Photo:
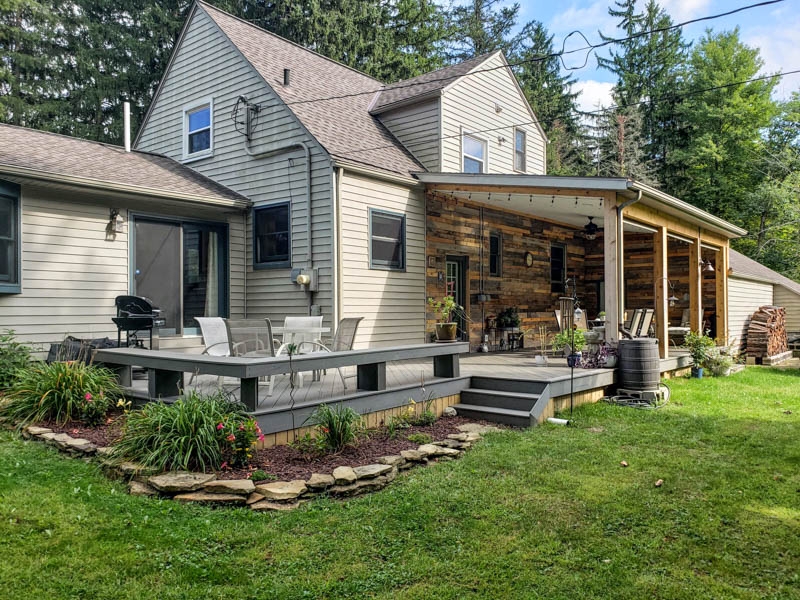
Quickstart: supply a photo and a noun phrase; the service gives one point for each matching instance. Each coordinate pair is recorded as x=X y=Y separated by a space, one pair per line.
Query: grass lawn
x=543 y=513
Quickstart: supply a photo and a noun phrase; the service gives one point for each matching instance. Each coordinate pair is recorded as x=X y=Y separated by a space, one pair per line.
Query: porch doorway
x=456 y=269
x=182 y=267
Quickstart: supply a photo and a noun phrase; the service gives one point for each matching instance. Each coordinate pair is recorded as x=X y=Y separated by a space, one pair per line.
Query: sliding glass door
x=182 y=266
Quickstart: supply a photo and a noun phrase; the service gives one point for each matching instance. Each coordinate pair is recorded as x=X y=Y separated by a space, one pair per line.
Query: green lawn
x=542 y=513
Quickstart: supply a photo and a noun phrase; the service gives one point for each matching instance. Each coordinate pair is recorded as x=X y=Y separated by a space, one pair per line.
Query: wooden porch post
x=722 y=294
x=695 y=288
x=611 y=250
x=662 y=290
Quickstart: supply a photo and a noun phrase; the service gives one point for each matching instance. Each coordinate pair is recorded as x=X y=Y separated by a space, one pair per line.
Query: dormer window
x=473 y=150
x=198 y=125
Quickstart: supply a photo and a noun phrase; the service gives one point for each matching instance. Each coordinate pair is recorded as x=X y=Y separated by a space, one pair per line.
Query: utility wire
x=589 y=48
x=666 y=97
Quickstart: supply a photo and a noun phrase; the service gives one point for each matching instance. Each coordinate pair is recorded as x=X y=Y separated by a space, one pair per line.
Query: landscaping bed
x=103 y=434
x=286 y=462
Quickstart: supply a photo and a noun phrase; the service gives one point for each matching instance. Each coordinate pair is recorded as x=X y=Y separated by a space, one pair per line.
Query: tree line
x=680 y=119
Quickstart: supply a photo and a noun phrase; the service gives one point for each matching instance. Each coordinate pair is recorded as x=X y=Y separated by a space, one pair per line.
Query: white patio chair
x=216 y=340
x=293 y=334
x=342 y=341
x=253 y=338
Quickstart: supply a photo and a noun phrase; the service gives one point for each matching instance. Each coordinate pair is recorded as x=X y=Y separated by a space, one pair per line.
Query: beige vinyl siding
x=391 y=302
x=791 y=302
x=417 y=128
x=71 y=272
x=744 y=298
x=207 y=65
x=469 y=106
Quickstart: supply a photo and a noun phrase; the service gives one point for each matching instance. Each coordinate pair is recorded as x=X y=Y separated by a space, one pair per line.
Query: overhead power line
x=664 y=98
x=589 y=48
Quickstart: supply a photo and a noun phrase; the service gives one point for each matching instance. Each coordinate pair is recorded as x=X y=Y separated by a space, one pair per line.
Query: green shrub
x=699 y=346
x=420 y=438
x=309 y=446
x=183 y=435
x=260 y=475
x=239 y=434
x=13 y=358
x=61 y=391
x=337 y=427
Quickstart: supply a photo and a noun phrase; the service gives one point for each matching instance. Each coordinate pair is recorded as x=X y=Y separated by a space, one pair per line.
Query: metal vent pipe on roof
x=126 y=124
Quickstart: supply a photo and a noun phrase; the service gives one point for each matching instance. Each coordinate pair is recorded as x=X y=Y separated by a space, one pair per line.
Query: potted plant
x=571 y=342
x=508 y=318
x=601 y=316
x=699 y=346
x=446 y=328
x=721 y=360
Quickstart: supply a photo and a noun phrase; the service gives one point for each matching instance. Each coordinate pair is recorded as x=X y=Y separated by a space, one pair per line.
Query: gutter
x=621 y=258
x=135 y=190
x=275 y=150
x=377 y=174
x=687 y=208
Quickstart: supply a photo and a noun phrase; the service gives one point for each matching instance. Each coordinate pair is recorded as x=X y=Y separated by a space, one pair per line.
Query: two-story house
x=384 y=195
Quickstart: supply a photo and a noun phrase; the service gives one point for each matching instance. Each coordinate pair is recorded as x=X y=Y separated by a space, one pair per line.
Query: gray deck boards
x=517 y=366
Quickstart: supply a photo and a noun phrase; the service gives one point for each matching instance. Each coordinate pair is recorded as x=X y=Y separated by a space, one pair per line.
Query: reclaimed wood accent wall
x=454 y=229
x=678 y=273
x=639 y=279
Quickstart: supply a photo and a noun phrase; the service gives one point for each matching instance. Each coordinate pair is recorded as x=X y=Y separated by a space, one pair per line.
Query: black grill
x=135 y=314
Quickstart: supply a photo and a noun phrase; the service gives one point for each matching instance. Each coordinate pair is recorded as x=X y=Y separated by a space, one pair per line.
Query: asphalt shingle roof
x=745 y=266
x=344 y=125
x=52 y=155
x=425 y=84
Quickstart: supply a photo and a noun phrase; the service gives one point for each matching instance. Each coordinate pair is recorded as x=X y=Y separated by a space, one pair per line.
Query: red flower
x=220 y=426
x=231 y=438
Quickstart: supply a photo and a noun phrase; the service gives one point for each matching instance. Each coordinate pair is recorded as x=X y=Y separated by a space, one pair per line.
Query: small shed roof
x=747 y=268
x=59 y=158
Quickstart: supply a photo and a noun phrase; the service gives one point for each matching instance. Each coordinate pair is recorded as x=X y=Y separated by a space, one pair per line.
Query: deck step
x=517 y=386
x=507 y=416
x=499 y=399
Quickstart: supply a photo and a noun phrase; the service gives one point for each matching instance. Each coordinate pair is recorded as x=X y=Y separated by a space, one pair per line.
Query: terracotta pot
x=446 y=332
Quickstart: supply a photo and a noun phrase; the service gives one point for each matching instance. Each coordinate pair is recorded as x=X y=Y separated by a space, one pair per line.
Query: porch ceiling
x=568 y=210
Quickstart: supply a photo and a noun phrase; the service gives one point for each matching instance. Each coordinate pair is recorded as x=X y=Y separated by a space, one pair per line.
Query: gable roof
x=748 y=268
x=342 y=125
x=427 y=84
x=59 y=158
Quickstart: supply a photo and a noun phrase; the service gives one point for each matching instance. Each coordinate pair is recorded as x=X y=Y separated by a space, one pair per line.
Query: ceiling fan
x=590 y=229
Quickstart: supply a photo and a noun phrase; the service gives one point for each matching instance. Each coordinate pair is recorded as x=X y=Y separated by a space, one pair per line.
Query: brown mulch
x=104 y=434
x=286 y=463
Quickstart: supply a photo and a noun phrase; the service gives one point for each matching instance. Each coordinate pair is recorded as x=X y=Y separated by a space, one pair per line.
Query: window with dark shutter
x=495 y=254
x=10 y=241
x=558 y=268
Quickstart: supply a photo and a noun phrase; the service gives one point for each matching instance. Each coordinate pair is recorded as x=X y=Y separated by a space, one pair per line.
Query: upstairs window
x=495 y=254
x=272 y=236
x=387 y=240
x=558 y=268
x=520 y=146
x=10 y=250
x=474 y=154
x=198 y=130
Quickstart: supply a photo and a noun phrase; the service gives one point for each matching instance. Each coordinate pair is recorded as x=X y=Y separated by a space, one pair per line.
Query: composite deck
x=519 y=366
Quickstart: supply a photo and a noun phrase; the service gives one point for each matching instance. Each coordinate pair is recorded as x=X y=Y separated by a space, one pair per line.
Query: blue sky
x=773 y=29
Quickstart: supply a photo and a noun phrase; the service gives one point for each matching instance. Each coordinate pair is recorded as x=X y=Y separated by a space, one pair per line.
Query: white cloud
x=593 y=94
x=683 y=10
x=588 y=19
x=780 y=52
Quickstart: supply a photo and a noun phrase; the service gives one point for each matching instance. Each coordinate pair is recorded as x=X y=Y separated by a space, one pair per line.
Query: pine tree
x=480 y=27
x=552 y=100
x=619 y=149
x=648 y=67
x=30 y=54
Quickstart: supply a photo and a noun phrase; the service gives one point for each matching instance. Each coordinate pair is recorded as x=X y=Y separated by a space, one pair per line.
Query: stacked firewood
x=766 y=334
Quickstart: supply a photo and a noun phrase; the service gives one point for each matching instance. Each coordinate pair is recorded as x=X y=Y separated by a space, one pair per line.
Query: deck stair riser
x=515 y=418
x=517 y=386
x=497 y=399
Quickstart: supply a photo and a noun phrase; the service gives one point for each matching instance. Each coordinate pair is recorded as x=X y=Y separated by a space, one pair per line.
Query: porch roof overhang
x=586 y=192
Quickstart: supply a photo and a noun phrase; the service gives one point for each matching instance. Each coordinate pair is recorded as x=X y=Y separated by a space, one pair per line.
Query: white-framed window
x=520 y=150
x=198 y=129
x=474 y=152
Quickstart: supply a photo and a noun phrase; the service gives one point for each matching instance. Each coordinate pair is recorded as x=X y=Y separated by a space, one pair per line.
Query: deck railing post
x=248 y=393
x=446 y=365
x=161 y=383
x=371 y=377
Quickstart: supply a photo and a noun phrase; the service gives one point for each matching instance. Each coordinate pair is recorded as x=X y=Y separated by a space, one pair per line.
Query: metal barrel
x=639 y=365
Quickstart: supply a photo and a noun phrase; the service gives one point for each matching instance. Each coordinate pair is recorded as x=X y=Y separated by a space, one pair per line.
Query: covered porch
x=499 y=242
